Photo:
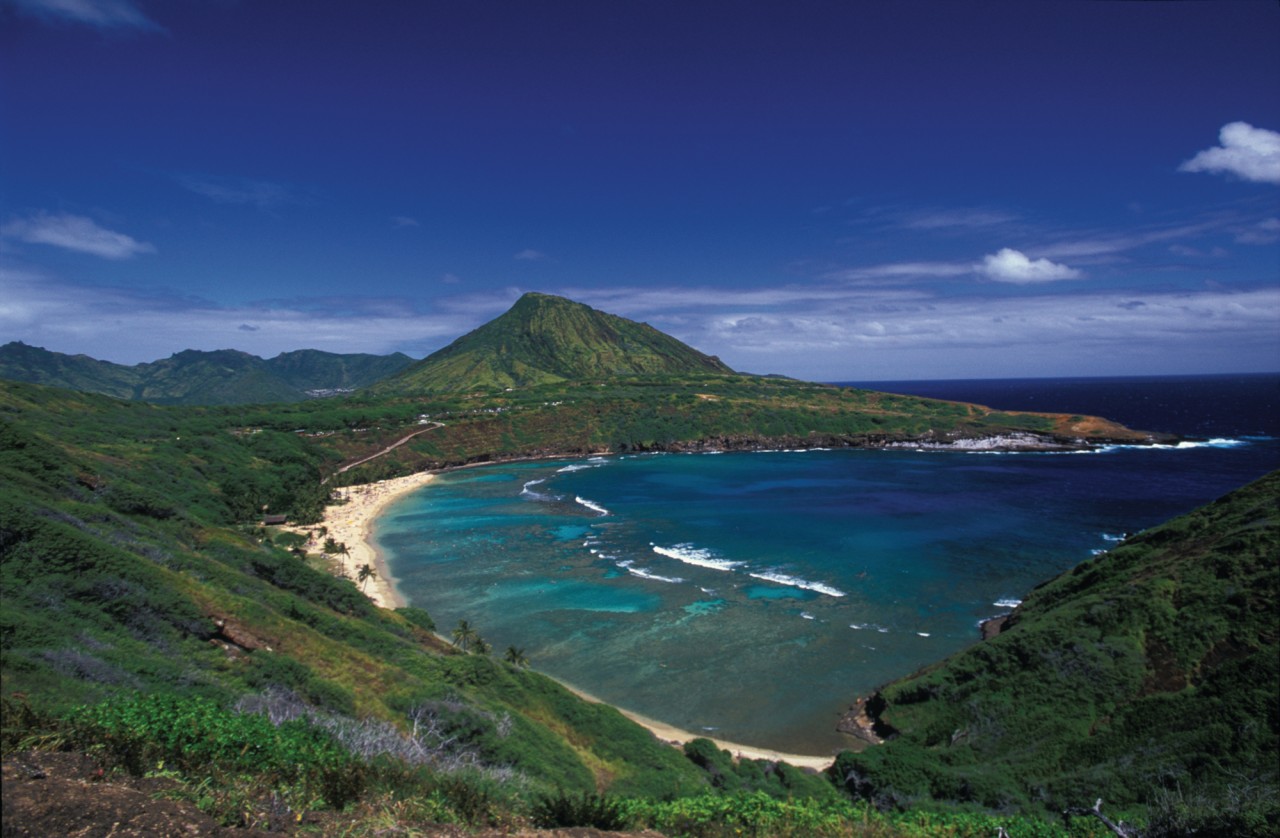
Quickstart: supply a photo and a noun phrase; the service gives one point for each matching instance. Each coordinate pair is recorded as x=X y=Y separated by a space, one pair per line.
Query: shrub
x=585 y=809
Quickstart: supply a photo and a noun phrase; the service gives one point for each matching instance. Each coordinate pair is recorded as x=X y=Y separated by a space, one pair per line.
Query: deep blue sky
x=826 y=190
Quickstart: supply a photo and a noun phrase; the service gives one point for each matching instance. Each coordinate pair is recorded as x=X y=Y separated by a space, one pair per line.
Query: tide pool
x=752 y=596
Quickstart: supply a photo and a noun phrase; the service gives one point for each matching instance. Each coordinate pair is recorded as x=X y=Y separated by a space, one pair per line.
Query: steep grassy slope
x=201 y=378
x=1147 y=675
x=123 y=572
x=545 y=339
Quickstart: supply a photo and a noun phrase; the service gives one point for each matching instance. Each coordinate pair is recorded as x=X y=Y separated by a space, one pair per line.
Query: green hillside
x=544 y=339
x=202 y=378
x=127 y=571
x=20 y=362
x=1147 y=676
x=150 y=622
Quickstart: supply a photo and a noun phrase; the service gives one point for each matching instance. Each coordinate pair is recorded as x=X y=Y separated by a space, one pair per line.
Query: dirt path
x=393 y=446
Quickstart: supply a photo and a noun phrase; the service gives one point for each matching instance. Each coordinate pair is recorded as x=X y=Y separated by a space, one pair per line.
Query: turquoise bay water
x=753 y=596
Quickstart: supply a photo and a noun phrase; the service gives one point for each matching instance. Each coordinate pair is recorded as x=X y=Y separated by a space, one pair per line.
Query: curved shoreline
x=679 y=737
x=352 y=523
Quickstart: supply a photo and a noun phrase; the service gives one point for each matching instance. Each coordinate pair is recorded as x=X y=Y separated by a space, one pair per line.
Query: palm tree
x=482 y=646
x=346 y=554
x=464 y=635
x=364 y=574
x=516 y=657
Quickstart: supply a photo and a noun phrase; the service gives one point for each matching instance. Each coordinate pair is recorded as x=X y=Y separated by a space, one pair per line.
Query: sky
x=828 y=190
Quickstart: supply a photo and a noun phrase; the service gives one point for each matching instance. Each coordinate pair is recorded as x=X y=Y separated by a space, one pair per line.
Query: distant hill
x=195 y=377
x=545 y=339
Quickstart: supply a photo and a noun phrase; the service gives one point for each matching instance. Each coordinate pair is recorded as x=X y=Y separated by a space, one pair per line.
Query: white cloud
x=74 y=232
x=105 y=14
x=262 y=194
x=1245 y=151
x=1011 y=265
x=1106 y=334
x=404 y=221
x=530 y=255
x=829 y=332
x=1108 y=245
x=1264 y=232
x=128 y=327
x=967 y=218
x=898 y=273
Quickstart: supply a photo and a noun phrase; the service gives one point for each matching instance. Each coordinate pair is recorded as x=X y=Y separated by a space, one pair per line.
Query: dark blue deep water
x=752 y=596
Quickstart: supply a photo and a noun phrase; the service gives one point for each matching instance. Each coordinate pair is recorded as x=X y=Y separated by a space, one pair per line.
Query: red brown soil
x=47 y=794
x=66 y=794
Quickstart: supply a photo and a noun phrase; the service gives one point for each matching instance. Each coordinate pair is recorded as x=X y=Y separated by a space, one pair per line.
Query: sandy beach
x=678 y=737
x=350 y=523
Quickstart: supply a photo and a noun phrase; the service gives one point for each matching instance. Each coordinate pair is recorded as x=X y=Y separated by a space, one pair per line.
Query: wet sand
x=678 y=737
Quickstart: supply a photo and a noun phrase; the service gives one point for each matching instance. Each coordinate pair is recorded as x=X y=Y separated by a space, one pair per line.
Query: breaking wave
x=797 y=582
x=698 y=556
x=529 y=492
x=592 y=505
x=649 y=574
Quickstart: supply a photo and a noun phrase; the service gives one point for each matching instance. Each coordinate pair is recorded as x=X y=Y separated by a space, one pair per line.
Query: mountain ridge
x=202 y=377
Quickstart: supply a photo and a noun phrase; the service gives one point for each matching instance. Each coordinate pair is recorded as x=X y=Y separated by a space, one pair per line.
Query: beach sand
x=678 y=737
x=350 y=523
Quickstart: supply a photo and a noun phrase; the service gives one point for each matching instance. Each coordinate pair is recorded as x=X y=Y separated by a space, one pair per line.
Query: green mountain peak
x=545 y=339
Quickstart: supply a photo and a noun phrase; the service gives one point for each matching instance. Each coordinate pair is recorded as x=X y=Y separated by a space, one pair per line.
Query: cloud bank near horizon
x=828 y=334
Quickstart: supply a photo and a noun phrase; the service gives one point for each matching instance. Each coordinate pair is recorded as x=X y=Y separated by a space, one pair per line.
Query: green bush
x=585 y=809
x=196 y=736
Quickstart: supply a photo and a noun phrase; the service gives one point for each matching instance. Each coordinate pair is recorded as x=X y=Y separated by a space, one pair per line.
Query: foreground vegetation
x=282 y=767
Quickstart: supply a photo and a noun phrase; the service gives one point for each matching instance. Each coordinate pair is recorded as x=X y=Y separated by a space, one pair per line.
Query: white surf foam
x=1007 y=602
x=873 y=626
x=1184 y=445
x=649 y=574
x=797 y=582
x=592 y=505
x=528 y=490
x=699 y=556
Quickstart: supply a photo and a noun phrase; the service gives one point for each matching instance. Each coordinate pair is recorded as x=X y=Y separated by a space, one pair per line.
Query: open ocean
x=753 y=596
